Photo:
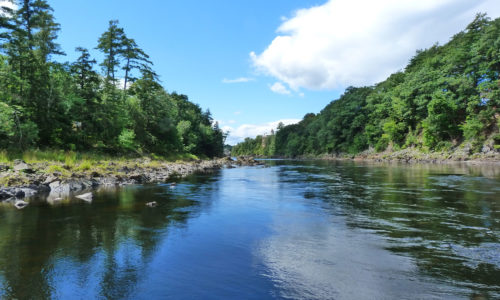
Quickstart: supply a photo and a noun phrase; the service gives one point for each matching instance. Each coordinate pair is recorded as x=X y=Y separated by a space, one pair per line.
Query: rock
x=4 y=168
x=139 y=178
x=20 y=204
x=125 y=170
x=86 y=197
x=59 y=187
x=20 y=194
x=21 y=166
x=6 y=194
x=50 y=179
x=152 y=204
x=247 y=161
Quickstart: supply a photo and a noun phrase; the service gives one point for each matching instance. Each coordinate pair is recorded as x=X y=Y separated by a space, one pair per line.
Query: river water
x=293 y=230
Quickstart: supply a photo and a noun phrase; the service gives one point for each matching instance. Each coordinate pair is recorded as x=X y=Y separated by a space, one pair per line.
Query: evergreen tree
x=135 y=58
x=111 y=44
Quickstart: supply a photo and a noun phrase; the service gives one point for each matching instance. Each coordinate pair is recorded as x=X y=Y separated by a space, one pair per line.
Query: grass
x=84 y=161
x=67 y=163
x=4 y=158
x=85 y=165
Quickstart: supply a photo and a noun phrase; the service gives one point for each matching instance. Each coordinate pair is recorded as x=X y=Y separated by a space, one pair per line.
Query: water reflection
x=294 y=230
x=98 y=249
x=445 y=218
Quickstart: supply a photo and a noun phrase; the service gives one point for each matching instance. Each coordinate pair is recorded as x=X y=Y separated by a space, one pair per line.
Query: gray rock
x=6 y=194
x=21 y=166
x=139 y=178
x=50 y=179
x=59 y=187
x=19 y=193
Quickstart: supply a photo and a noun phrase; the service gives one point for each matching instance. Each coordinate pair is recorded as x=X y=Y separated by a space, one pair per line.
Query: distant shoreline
x=409 y=156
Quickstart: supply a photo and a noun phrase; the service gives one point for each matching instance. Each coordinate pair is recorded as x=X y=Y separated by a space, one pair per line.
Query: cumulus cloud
x=239 y=133
x=279 y=88
x=238 y=80
x=6 y=4
x=361 y=42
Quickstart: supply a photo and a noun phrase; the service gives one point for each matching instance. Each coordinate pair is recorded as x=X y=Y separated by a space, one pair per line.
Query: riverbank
x=414 y=155
x=411 y=155
x=19 y=179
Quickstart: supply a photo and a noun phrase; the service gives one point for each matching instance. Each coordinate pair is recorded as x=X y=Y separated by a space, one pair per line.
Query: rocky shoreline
x=411 y=155
x=21 y=180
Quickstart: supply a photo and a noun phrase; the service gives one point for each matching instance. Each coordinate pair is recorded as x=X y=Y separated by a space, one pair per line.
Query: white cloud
x=361 y=42
x=8 y=5
x=279 y=88
x=238 y=134
x=238 y=80
x=237 y=112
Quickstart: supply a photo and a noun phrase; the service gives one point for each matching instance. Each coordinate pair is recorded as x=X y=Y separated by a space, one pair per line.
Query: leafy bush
x=473 y=128
x=440 y=123
x=126 y=140
x=382 y=143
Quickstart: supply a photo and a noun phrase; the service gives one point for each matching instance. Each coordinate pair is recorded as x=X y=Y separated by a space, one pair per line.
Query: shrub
x=126 y=140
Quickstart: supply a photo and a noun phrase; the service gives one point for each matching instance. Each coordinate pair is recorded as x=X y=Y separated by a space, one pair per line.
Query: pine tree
x=31 y=43
x=111 y=44
x=84 y=73
x=135 y=58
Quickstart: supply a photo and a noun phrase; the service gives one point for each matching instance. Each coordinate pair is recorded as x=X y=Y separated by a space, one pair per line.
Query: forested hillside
x=124 y=108
x=447 y=97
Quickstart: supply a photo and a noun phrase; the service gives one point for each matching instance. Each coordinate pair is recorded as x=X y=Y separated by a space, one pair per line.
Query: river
x=286 y=230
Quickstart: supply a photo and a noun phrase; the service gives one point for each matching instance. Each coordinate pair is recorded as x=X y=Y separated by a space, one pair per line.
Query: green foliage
x=382 y=143
x=446 y=95
x=473 y=128
x=126 y=140
x=70 y=106
x=441 y=122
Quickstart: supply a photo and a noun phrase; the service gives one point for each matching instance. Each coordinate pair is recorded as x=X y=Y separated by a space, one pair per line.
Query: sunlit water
x=295 y=230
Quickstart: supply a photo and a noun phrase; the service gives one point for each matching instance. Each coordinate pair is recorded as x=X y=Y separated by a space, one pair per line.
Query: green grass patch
x=85 y=165
x=84 y=161
x=4 y=158
x=55 y=168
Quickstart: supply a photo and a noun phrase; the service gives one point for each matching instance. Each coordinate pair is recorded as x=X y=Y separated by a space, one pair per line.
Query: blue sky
x=253 y=63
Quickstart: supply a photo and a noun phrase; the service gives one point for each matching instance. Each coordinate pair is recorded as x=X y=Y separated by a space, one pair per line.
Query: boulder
x=6 y=194
x=50 y=179
x=59 y=187
x=21 y=166
x=139 y=178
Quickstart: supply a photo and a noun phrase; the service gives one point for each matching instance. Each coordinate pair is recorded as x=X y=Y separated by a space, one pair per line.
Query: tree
x=87 y=79
x=111 y=44
x=135 y=58
x=30 y=46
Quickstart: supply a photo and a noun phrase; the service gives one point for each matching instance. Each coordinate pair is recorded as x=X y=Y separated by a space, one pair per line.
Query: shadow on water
x=445 y=217
x=97 y=249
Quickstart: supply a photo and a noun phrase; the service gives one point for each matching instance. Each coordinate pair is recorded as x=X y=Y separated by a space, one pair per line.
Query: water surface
x=293 y=230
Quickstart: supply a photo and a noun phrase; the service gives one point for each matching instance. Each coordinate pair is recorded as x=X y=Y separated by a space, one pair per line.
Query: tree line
x=447 y=97
x=124 y=108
